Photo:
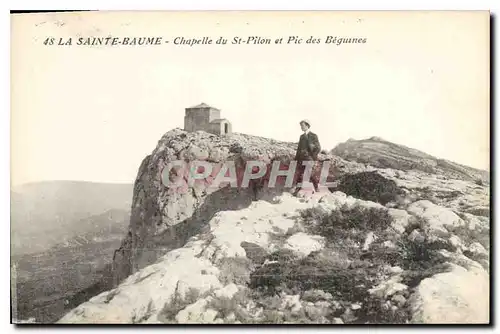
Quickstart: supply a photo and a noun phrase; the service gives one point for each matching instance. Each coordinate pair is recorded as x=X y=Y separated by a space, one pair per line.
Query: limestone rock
x=304 y=244
x=457 y=297
x=400 y=219
x=478 y=249
x=437 y=218
x=388 y=288
x=227 y=292
x=196 y=313
x=291 y=302
x=456 y=242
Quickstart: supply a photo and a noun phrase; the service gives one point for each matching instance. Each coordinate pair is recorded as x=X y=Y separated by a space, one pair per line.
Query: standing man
x=308 y=150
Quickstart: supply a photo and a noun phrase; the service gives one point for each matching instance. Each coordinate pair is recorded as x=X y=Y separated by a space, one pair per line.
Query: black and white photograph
x=250 y=167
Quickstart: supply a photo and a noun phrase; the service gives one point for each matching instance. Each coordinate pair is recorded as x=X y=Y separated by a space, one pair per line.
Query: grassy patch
x=356 y=218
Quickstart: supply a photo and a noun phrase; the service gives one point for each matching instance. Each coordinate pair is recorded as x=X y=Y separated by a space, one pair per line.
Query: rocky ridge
x=384 y=154
x=260 y=255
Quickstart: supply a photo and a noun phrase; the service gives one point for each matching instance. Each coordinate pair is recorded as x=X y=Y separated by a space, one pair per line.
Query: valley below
x=63 y=238
x=48 y=282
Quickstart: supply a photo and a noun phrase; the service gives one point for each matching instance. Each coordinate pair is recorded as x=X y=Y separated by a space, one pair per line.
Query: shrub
x=346 y=225
x=254 y=252
x=415 y=255
x=224 y=306
x=369 y=186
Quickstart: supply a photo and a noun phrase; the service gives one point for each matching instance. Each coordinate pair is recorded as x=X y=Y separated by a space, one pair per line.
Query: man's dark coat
x=308 y=148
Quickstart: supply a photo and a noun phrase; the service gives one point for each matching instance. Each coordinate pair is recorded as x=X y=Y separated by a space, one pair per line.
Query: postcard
x=250 y=167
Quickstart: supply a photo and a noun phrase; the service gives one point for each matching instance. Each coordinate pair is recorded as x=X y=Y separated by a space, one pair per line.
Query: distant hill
x=44 y=214
x=380 y=153
x=46 y=281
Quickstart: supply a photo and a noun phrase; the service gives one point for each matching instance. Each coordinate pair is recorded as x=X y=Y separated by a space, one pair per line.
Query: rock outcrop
x=163 y=219
x=205 y=254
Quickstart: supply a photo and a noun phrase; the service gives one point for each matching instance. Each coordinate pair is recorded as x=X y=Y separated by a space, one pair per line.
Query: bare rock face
x=164 y=218
x=455 y=297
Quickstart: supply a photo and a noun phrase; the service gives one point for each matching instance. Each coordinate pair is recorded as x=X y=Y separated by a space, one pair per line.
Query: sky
x=93 y=113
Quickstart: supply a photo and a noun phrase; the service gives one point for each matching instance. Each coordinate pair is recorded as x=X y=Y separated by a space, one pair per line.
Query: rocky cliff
x=163 y=219
x=378 y=246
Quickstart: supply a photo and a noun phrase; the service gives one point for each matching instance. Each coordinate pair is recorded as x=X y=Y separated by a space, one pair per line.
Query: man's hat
x=306 y=121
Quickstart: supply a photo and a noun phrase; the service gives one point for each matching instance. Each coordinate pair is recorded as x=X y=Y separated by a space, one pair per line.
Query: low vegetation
x=347 y=272
x=369 y=186
x=335 y=284
x=169 y=311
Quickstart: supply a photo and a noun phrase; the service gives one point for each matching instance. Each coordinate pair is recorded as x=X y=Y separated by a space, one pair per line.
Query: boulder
x=460 y=296
x=437 y=218
x=304 y=244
